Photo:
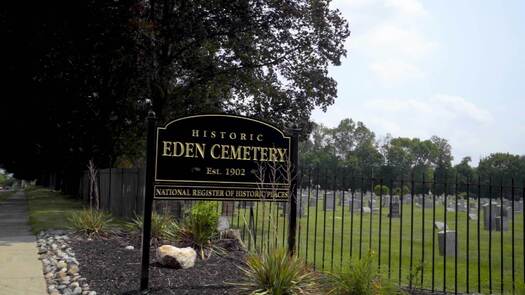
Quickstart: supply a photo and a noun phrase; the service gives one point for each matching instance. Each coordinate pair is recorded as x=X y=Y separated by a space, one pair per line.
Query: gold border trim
x=219 y=115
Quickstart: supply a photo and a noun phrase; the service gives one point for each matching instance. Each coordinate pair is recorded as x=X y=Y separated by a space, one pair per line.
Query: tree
x=79 y=74
x=464 y=171
x=266 y=59
x=502 y=167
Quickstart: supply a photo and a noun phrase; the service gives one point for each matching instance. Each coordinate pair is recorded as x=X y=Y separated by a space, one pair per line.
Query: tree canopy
x=355 y=147
x=79 y=75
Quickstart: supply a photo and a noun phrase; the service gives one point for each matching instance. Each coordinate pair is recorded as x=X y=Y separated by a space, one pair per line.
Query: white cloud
x=455 y=118
x=387 y=35
x=389 y=39
x=407 y=7
x=392 y=71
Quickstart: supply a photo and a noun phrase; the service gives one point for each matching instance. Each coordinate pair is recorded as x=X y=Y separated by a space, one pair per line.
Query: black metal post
x=148 y=201
x=294 y=161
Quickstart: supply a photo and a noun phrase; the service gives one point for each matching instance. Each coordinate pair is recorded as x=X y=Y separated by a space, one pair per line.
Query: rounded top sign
x=219 y=151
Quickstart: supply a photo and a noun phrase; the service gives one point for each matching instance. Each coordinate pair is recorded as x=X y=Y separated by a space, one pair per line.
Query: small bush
x=200 y=227
x=361 y=278
x=163 y=227
x=91 y=222
x=397 y=190
x=276 y=272
x=381 y=190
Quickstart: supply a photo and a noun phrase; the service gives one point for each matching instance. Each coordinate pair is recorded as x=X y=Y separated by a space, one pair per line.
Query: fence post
x=148 y=200
x=292 y=224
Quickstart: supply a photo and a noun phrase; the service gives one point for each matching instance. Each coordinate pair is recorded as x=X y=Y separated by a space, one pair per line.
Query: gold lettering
x=259 y=137
x=236 y=152
x=243 y=136
x=255 y=149
x=222 y=134
x=264 y=154
x=175 y=144
x=273 y=155
x=195 y=133
x=166 y=149
x=213 y=134
x=282 y=154
x=233 y=135
x=212 y=151
x=200 y=149
x=224 y=152
x=246 y=152
x=189 y=150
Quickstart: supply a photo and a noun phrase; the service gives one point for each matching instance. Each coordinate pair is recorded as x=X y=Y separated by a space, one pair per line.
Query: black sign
x=221 y=157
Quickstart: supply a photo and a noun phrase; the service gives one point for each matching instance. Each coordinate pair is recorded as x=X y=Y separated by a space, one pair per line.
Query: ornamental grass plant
x=163 y=226
x=199 y=228
x=277 y=273
x=362 y=277
x=91 y=222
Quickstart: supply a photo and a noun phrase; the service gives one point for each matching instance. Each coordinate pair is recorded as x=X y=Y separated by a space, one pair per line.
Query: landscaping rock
x=59 y=264
x=174 y=257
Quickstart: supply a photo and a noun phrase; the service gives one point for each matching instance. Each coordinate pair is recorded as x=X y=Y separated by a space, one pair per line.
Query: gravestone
x=440 y=226
x=355 y=206
x=394 y=209
x=386 y=201
x=489 y=218
x=518 y=206
x=502 y=223
x=473 y=216
x=329 y=202
x=313 y=201
x=450 y=245
x=367 y=210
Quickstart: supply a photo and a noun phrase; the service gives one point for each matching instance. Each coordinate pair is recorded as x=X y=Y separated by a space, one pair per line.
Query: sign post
x=148 y=200
x=292 y=223
x=218 y=157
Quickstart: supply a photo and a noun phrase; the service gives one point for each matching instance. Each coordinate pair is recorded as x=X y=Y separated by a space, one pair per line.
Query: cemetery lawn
x=50 y=209
x=324 y=247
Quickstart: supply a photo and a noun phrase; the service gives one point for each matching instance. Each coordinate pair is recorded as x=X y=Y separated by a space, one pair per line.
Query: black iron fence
x=453 y=235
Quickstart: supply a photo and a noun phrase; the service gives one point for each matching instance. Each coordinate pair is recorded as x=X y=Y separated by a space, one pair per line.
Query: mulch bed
x=111 y=269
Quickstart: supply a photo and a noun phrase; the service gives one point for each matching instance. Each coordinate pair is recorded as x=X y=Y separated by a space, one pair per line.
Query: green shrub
x=361 y=278
x=381 y=190
x=163 y=227
x=200 y=227
x=275 y=272
x=397 y=190
x=91 y=222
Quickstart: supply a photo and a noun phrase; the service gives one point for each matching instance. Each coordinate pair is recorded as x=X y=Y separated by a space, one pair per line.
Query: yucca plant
x=361 y=278
x=91 y=222
x=163 y=226
x=277 y=273
x=199 y=228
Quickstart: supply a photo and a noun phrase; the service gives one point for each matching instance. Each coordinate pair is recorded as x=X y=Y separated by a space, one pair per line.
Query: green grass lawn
x=322 y=245
x=5 y=195
x=49 y=209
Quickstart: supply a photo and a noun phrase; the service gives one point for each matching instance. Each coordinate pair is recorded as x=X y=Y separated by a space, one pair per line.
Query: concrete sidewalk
x=20 y=269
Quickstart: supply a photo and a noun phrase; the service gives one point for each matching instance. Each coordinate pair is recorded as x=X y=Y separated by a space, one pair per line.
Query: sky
x=455 y=69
